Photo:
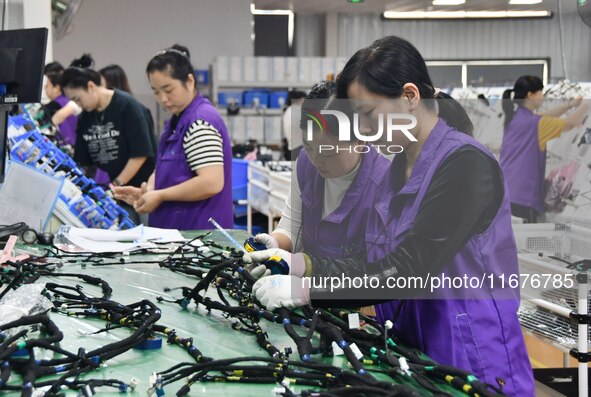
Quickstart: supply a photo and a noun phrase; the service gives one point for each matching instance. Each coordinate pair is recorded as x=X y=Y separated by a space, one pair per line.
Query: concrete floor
x=545 y=391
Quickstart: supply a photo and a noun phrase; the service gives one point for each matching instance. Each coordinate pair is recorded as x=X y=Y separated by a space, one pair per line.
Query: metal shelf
x=251 y=112
x=264 y=84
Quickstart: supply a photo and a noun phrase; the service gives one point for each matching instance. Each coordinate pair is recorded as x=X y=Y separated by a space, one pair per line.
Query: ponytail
x=454 y=114
x=523 y=86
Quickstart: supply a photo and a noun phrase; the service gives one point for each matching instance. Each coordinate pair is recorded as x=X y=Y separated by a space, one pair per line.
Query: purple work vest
x=522 y=161
x=341 y=233
x=482 y=336
x=68 y=127
x=172 y=168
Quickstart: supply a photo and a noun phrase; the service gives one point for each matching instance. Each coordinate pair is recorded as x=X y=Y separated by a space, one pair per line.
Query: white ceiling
x=379 y=6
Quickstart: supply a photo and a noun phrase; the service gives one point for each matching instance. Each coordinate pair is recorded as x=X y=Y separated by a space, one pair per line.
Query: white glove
x=267 y=239
x=296 y=262
x=280 y=290
x=258 y=271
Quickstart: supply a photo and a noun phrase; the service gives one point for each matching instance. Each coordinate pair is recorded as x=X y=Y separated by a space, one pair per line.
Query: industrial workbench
x=212 y=332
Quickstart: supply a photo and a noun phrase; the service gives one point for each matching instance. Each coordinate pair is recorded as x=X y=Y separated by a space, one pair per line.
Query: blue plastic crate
x=224 y=98
x=277 y=99
x=249 y=97
x=239 y=172
x=239 y=184
x=202 y=76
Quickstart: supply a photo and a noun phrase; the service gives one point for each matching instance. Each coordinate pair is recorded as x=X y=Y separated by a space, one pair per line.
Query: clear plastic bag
x=24 y=301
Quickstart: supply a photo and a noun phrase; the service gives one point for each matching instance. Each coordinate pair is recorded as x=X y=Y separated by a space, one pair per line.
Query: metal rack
x=557 y=313
x=266 y=189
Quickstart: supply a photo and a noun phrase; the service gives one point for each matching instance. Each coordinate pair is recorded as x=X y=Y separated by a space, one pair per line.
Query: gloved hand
x=266 y=239
x=281 y=291
x=272 y=258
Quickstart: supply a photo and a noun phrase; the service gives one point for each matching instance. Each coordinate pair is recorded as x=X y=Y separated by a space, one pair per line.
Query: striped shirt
x=202 y=144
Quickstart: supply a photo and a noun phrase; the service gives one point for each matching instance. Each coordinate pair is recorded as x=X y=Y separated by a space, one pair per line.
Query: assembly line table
x=212 y=332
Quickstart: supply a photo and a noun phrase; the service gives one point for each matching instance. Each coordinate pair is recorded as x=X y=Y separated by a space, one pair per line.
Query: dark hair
x=295 y=94
x=323 y=97
x=316 y=100
x=115 y=77
x=54 y=71
x=85 y=61
x=79 y=74
x=389 y=63
x=175 y=60
x=523 y=86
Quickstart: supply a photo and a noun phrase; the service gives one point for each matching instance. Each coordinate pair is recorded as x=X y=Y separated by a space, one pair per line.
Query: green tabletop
x=212 y=332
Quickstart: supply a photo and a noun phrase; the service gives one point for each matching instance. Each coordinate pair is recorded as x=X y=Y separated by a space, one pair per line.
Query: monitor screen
x=22 y=58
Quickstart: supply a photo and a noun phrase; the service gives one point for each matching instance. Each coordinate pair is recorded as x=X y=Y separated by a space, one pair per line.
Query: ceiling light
x=257 y=11
x=524 y=2
x=464 y=14
x=448 y=2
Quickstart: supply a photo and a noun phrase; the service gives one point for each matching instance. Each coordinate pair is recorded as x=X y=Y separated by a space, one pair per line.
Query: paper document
x=100 y=241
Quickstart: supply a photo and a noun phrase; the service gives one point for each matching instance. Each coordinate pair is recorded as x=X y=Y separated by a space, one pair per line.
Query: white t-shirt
x=291 y=219
x=291 y=126
x=74 y=105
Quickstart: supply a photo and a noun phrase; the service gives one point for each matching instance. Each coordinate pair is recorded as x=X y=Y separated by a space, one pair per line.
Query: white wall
x=37 y=14
x=130 y=32
x=14 y=15
x=480 y=39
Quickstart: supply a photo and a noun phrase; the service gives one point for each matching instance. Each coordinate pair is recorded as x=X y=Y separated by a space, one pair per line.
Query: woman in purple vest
x=523 y=152
x=331 y=192
x=442 y=207
x=191 y=182
x=62 y=111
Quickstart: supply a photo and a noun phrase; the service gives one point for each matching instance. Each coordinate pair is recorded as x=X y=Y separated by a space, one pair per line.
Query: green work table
x=212 y=332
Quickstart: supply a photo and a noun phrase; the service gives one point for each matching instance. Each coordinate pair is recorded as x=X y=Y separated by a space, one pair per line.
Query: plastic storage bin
x=202 y=76
x=224 y=98
x=239 y=185
x=277 y=99
x=251 y=96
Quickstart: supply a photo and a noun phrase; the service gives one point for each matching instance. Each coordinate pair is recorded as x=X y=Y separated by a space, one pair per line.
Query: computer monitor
x=22 y=59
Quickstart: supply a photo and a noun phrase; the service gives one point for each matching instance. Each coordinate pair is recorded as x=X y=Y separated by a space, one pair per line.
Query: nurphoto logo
x=379 y=139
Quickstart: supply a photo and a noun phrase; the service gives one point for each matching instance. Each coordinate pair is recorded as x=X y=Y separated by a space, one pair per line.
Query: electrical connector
x=134 y=383
x=86 y=391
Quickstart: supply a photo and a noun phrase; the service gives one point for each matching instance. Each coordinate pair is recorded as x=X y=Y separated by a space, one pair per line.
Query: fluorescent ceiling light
x=448 y=2
x=290 y=19
x=255 y=11
x=522 y=2
x=464 y=14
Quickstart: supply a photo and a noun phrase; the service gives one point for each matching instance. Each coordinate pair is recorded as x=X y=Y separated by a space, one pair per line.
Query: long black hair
x=116 y=78
x=79 y=73
x=523 y=86
x=175 y=60
x=387 y=65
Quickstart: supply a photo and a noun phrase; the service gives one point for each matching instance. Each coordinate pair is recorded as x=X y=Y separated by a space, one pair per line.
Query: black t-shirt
x=108 y=139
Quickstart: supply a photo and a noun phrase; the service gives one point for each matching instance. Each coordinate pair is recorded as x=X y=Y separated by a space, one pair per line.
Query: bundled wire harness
x=378 y=364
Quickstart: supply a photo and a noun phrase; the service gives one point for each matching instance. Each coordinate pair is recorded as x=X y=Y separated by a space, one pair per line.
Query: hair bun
x=85 y=61
x=182 y=49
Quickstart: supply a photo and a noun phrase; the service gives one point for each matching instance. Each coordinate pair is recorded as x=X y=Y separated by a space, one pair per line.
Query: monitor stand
x=4 y=152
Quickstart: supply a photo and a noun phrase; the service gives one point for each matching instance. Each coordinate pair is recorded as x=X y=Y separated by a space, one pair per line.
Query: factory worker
x=442 y=207
x=192 y=180
x=523 y=152
x=63 y=112
x=332 y=185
